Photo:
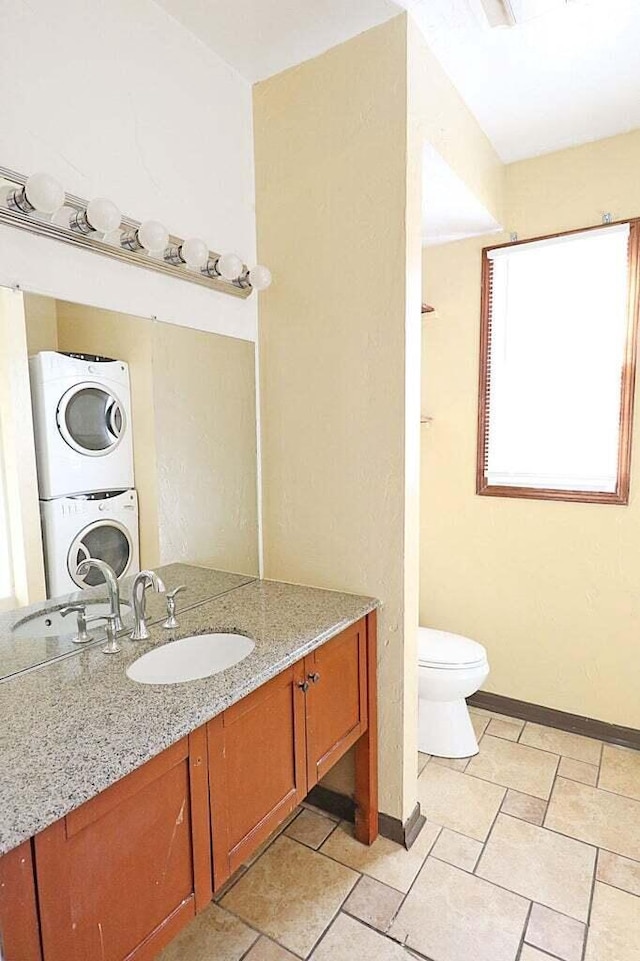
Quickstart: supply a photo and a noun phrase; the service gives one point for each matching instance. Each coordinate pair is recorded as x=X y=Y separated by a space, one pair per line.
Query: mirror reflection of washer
x=82 y=422
x=103 y=526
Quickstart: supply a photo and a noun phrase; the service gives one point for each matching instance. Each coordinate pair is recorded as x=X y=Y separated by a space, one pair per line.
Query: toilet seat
x=446 y=651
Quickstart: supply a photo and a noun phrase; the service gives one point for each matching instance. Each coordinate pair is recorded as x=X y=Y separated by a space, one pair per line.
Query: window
x=557 y=366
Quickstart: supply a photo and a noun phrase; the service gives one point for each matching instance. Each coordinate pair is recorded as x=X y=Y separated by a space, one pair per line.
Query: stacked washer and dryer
x=84 y=452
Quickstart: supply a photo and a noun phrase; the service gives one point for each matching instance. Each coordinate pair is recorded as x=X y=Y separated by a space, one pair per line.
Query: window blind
x=555 y=355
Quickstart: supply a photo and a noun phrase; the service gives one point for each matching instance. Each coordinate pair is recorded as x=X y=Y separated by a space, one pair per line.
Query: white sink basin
x=51 y=623
x=190 y=658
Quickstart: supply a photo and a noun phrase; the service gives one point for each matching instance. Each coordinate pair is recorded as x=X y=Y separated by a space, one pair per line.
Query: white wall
x=117 y=99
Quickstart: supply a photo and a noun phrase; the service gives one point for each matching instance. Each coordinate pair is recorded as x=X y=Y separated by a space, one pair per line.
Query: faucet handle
x=72 y=608
x=79 y=608
x=171 y=621
x=171 y=594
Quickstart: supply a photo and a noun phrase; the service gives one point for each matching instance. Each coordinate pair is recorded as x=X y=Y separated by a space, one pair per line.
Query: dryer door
x=91 y=419
x=104 y=541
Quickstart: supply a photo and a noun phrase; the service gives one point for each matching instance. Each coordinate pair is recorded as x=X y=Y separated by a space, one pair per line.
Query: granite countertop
x=75 y=726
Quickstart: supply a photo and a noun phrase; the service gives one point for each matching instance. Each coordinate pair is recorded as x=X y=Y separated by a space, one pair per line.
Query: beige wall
x=204 y=404
x=41 y=323
x=552 y=589
x=331 y=190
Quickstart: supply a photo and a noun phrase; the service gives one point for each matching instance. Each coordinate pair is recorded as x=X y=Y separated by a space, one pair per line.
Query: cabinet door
x=19 y=930
x=120 y=875
x=336 y=700
x=256 y=768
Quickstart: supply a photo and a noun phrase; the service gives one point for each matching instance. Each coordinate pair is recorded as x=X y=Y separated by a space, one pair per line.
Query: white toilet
x=450 y=668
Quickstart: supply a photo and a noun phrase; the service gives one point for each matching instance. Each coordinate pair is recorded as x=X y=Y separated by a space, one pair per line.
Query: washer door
x=91 y=419
x=104 y=541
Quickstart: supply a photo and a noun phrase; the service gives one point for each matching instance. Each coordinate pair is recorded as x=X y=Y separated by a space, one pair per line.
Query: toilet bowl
x=450 y=668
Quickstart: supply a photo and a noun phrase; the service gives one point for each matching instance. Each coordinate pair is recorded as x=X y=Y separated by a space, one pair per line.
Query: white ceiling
x=568 y=73
x=262 y=37
x=564 y=77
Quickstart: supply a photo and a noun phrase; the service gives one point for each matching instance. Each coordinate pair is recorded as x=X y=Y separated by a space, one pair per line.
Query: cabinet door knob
x=314 y=678
x=304 y=686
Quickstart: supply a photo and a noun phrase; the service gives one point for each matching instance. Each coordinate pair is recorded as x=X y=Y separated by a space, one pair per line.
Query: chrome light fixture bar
x=512 y=13
x=39 y=205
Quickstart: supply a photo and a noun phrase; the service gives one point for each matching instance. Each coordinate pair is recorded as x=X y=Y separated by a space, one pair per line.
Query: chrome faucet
x=141 y=582
x=112 y=587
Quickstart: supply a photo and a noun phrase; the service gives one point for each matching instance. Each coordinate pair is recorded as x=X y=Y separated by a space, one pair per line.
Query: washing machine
x=82 y=423
x=103 y=526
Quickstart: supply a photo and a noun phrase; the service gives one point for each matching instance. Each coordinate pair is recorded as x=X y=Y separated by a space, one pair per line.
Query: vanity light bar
x=40 y=205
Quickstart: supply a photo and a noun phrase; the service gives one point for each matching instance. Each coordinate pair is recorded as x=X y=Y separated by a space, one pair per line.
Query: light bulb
x=100 y=215
x=103 y=215
x=44 y=193
x=194 y=252
x=153 y=236
x=259 y=277
x=229 y=266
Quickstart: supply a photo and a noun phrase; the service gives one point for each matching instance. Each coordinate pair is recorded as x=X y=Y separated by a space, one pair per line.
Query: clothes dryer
x=82 y=423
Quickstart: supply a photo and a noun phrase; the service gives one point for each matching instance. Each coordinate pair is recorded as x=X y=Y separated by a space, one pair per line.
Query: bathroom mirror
x=122 y=438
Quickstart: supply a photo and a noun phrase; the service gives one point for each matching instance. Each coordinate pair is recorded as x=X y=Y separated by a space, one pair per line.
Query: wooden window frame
x=627 y=386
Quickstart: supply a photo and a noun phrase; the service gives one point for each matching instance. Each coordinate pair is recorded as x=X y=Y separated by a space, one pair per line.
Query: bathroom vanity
x=124 y=807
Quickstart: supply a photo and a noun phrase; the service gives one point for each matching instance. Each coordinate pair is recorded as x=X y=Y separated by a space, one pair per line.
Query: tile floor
x=531 y=852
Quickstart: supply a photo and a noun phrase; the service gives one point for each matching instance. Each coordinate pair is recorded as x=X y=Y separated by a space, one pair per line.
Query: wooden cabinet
x=256 y=768
x=19 y=928
x=120 y=875
x=336 y=699
x=270 y=749
x=117 y=878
